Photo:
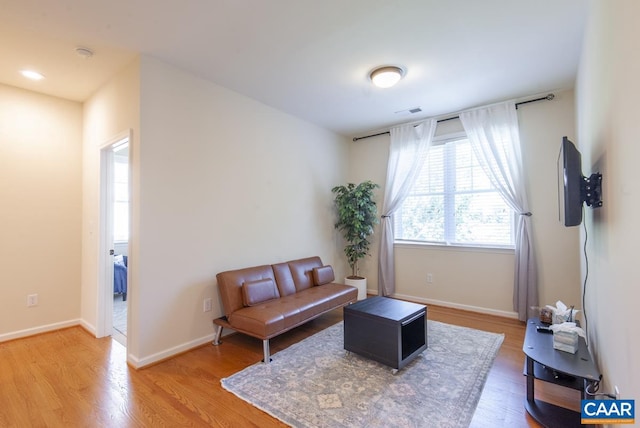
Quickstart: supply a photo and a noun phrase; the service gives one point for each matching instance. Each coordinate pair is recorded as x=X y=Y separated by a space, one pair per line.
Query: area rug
x=316 y=383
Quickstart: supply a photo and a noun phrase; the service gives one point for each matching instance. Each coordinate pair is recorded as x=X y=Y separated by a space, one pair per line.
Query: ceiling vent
x=409 y=111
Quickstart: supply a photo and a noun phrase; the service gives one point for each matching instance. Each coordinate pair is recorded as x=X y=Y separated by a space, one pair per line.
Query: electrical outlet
x=32 y=300
x=429 y=278
x=206 y=305
x=617 y=392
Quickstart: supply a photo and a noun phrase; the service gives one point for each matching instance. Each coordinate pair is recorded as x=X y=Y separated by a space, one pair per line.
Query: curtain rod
x=548 y=97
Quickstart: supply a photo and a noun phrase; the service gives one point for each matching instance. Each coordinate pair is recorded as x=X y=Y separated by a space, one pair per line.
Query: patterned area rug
x=316 y=383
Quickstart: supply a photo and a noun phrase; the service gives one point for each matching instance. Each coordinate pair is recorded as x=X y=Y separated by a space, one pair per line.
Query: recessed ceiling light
x=387 y=76
x=33 y=75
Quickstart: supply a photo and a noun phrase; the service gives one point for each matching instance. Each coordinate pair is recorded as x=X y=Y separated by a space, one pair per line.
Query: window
x=454 y=202
x=121 y=199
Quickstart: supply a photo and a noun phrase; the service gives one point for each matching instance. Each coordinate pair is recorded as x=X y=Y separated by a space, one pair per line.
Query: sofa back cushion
x=289 y=278
x=302 y=272
x=230 y=285
x=323 y=275
x=284 y=280
x=259 y=291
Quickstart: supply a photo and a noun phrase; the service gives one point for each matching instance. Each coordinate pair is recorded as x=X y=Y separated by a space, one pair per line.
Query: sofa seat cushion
x=329 y=296
x=268 y=319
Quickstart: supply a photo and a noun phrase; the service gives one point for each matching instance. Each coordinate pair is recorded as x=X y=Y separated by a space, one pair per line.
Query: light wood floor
x=68 y=378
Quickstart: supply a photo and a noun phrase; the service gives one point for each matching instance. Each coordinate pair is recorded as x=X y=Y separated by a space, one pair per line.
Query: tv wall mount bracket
x=591 y=190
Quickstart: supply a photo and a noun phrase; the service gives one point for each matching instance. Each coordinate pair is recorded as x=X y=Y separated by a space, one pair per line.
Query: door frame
x=104 y=318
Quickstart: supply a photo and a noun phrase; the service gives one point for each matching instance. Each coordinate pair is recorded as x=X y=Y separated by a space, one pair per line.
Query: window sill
x=452 y=247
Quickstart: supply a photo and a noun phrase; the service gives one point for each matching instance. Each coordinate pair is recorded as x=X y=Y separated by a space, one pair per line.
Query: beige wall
x=226 y=182
x=477 y=279
x=112 y=110
x=608 y=128
x=40 y=199
x=542 y=126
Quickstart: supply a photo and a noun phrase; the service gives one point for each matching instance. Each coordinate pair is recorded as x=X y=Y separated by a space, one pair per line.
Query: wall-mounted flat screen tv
x=574 y=189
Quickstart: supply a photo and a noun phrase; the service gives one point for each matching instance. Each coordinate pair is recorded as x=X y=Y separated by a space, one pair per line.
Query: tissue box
x=565 y=341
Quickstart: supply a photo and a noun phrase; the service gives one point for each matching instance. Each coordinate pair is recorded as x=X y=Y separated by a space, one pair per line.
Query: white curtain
x=495 y=138
x=407 y=155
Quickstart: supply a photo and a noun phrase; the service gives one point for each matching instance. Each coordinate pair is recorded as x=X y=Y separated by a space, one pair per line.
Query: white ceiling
x=308 y=58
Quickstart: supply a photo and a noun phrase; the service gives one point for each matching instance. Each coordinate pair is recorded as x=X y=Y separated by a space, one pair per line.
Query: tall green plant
x=357 y=214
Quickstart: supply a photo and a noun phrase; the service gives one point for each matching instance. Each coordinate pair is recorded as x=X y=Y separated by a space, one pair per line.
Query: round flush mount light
x=84 y=52
x=387 y=76
x=33 y=75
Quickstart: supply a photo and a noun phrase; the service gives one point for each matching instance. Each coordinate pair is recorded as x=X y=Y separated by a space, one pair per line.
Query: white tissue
x=567 y=327
x=561 y=313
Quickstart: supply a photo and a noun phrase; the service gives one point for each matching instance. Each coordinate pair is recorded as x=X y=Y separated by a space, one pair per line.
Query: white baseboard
x=138 y=363
x=134 y=361
x=479 y=309
x=89 y=327
x=40 y=329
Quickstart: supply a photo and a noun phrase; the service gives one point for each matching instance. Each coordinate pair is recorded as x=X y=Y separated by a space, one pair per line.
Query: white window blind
x=454 y=202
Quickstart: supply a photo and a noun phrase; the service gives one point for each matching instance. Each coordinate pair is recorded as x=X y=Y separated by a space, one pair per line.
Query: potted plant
x=357 y=214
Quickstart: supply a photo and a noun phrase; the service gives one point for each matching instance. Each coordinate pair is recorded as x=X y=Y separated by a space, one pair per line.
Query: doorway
x=120 y=211
x=113 y=306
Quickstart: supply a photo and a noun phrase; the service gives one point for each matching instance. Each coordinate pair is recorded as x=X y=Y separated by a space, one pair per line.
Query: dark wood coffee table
x=389 y=331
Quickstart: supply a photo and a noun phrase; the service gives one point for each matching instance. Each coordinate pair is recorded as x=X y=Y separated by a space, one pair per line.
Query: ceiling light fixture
x=33 y=75
x=387 y=76
x=84 y=52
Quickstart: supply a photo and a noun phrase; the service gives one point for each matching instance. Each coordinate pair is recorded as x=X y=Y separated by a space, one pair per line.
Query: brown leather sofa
x=265 y=301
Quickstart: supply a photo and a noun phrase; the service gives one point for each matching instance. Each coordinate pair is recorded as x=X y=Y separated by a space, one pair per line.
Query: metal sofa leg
x=265 y=349
x=216 y=338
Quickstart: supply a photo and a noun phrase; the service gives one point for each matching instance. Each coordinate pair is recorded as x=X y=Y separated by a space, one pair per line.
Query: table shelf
x=545 y=363
x=548 y=374
x=550 y=415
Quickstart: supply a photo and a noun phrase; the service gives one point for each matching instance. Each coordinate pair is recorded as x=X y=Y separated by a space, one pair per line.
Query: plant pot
x=360 y=283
